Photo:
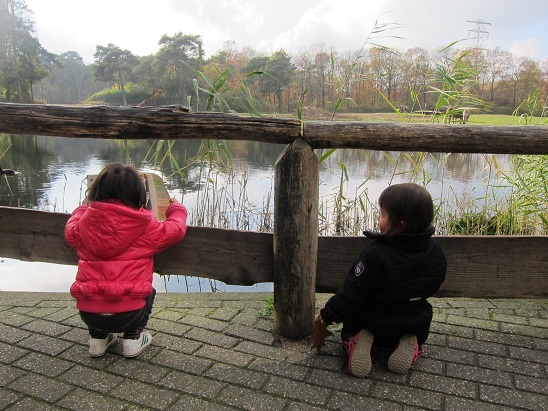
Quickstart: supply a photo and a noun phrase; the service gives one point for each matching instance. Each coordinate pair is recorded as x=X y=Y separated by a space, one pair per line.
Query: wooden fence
x=293 y=257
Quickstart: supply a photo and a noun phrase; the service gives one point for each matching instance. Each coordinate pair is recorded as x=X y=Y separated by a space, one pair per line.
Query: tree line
x=246 y=80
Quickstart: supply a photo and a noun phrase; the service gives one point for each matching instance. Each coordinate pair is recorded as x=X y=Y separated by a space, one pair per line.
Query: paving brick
x=478 y=374
x=19 y=300
x=91 y=379
x=540 y=344
x=43 y=364
x=250 y=333
x=538 y=332
x=10 y=353
x=282 y=369
x=137 y=370
x=27 y=404
x=537 y=385
x=224 y=313
x=483 y=347
x=511 y=319
x=79 y=354
x=298 y=406
x=503 y=338
x=207 y=323
x=83 y=400
x=340 y=381
x=410 y=396
x=210 y=337
x=44 y=344
x=145 y=394
x=168 y=314
x=513 y=398
x=430 y=365
x=6 y=397
x=248 y=317
x=192 y=384
x=12 y=318
x=472 y=322
x=175 y=343
x=352 y=402
x=40 y=387
x=445 y=385
x=62 y=314
x=182 y=362
x=219 y=354
x=511 y=365
x=452 y=330
x=244 y=398
x=527 y=354
x=76 y=335
x=11 y=334
x=301 y=391
x=189 y=403
x=168 y=327
x=462 y=404
x=8 y=374
x=46 y=327
x=452 y=355
x=237 y=375
x=262 y=350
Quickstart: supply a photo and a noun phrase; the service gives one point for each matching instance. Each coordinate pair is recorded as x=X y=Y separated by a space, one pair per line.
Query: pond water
x=51 y=175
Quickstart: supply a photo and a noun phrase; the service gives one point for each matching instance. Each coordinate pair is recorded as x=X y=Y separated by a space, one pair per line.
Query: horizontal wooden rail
x=478 y=266
x=171 y=122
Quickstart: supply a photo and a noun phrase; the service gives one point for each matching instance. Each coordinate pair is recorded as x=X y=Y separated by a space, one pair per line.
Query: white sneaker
x=99 y=346
x=132 y=348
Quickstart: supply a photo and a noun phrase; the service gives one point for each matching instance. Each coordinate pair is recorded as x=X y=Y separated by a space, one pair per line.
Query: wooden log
x=171 y=122
x=444 y=138
x=166 y=122
x=477 y=266
x=296 y=191
x=232 y=256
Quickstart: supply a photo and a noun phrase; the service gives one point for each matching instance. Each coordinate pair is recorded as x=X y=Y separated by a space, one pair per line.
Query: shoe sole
x=361 y=356
x=401 y=359
x=141 y=349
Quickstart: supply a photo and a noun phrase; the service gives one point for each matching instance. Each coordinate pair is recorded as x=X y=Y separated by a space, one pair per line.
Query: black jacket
x=386 y=289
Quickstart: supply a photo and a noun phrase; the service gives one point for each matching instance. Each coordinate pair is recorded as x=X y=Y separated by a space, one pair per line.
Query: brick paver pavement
x=218 y=351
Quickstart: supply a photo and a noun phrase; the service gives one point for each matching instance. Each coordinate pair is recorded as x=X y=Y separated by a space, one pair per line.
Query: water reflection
x=51 y=173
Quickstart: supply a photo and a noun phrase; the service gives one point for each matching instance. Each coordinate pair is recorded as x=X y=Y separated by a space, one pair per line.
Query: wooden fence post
x=296 y=192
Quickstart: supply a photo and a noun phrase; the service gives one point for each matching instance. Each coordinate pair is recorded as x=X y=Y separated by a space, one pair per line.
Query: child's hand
x=319 y=334
x=319 y=317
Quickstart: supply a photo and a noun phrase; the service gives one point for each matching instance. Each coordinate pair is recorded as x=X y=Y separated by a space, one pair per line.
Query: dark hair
x=409 y=206
x=120 y=182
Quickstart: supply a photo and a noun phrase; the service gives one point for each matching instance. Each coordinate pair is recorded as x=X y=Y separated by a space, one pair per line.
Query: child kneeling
x=384 y=297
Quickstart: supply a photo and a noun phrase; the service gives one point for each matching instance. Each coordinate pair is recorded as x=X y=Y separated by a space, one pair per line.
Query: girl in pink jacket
x=115 y=238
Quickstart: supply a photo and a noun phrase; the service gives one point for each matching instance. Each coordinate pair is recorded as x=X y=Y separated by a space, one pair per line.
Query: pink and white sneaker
x=358 y=349
x=405 y=355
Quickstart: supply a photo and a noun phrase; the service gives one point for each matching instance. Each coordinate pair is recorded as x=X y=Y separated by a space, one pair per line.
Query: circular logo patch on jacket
x=359 y=269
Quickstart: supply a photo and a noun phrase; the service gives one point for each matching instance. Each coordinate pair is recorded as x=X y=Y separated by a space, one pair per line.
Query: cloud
x=529 y=47
x=267 y=26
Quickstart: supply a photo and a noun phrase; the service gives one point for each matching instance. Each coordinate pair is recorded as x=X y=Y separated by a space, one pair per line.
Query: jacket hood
x=110 y=228
x=403 y=239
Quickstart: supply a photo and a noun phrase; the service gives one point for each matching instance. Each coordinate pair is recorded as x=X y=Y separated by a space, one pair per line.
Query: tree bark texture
x=295 y=242
x=173 y=122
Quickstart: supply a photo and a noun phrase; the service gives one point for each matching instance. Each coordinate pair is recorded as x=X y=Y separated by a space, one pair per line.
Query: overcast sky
x=137 y=25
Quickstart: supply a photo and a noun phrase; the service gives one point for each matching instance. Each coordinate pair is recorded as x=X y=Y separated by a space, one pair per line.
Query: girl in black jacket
x=384 y=297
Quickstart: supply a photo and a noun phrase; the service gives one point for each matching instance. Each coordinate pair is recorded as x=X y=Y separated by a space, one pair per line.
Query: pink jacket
x=115 y=246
